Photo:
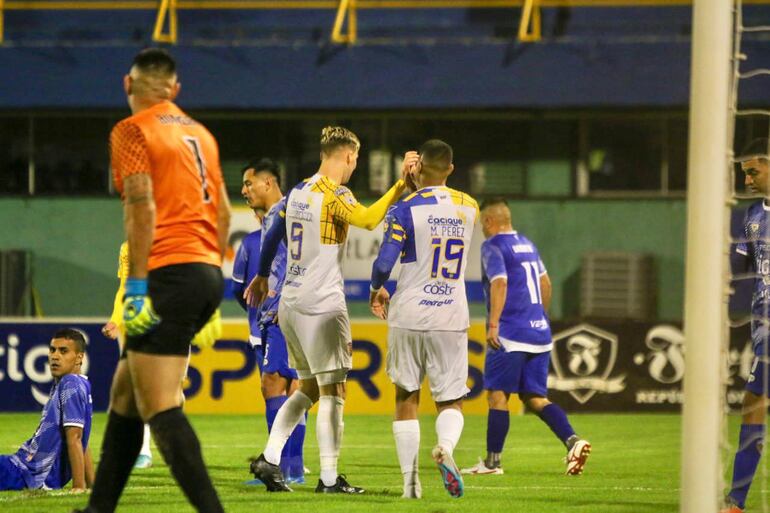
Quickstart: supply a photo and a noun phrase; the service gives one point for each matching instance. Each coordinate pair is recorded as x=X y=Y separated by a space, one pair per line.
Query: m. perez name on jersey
x=446 y=226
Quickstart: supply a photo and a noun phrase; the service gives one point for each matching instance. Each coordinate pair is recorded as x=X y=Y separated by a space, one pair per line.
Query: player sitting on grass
x=58 y=451
x=518 y=293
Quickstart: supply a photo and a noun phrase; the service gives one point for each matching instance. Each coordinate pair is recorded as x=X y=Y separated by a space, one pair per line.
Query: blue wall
x=590 y=57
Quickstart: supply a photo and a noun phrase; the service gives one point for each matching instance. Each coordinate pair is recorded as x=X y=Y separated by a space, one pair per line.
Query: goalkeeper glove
x=211 y=332
x=138 y=314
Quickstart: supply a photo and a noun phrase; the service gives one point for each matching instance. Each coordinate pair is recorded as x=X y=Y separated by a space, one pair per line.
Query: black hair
x=264 y=165
x=74 y=335
x=436 y=154
x=492 y=201
x=156 y=60
x=757 y=148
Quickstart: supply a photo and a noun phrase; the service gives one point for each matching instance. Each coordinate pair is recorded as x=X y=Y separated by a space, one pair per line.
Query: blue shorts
x=260 y=352
x=517 y=372
x=276 y=358
x=10 y=475
x=758 y=380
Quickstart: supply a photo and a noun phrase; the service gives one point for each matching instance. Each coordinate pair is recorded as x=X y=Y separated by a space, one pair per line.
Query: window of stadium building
x=632 y=156
x=71 y=155
x=14 y=155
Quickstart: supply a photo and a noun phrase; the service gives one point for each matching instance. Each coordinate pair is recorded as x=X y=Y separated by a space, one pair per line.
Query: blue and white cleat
x=450 y=474
x=143 y=461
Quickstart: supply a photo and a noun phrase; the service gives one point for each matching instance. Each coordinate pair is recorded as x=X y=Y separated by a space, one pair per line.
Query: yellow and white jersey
x=433 y=227
x=318 y=213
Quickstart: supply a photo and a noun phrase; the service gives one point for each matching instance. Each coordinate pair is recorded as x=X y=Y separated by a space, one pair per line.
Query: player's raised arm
x=350 y=210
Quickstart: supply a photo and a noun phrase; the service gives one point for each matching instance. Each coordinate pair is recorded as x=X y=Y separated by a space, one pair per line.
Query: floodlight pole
x=706 y=270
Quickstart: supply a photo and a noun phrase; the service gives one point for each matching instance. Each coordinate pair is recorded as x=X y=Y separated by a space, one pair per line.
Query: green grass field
x=634 y=468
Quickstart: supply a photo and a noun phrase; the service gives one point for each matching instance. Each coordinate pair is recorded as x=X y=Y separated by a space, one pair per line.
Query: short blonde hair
x=332 y=137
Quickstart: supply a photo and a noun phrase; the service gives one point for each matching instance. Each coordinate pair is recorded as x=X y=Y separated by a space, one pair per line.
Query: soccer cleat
x=341 y=486
x=577 y=456
x=730 y=506
x=269 y=474
x=450 y=474
x=295 y=479
x=143 y=461
x=481 y=469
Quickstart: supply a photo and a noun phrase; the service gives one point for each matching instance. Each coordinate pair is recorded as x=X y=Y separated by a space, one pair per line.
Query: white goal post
x=706 y=274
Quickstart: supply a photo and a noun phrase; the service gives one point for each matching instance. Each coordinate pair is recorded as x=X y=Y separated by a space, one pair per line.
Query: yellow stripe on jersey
x=413 y=195
x=397 y=237
x=336 y=208
x=460 y=198
x=398 y=227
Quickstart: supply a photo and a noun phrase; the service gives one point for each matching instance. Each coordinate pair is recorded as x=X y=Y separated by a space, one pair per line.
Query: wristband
x=136 y=287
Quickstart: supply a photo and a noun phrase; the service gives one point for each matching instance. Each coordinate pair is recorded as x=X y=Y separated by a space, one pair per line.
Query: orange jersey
x=182 y=158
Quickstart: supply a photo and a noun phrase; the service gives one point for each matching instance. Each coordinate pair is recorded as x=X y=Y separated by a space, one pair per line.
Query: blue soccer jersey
x=42 y=460
x=244 y=270
x=524 y=323
x=269 y=309
x=756 y=248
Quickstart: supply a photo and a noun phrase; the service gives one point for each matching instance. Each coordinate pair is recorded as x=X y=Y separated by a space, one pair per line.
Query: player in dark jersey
x=518 y=293
x=752 y=255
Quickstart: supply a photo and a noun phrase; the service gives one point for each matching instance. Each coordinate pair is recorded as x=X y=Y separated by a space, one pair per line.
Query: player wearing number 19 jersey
x=430 y=232
x=518 y=293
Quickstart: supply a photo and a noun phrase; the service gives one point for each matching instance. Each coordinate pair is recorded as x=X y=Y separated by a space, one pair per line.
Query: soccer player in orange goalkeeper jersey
x=176 y=211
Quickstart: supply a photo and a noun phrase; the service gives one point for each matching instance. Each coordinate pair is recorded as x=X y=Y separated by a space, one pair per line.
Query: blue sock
x=746 y=460
x=296 y=444
x=272 y=405
x=557 y=421
x=498 y=422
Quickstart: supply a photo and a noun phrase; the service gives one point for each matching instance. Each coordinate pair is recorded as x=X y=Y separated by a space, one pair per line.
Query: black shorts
x=184 y=296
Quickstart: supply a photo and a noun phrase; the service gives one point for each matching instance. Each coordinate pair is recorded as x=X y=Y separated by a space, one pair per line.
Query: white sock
x=449 y=427
x=146 y=442
x=289 y=415
x=407 y=435
x=328 y=430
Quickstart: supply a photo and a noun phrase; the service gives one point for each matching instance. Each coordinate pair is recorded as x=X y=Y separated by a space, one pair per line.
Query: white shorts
x=318 y=345
x=442 y=355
